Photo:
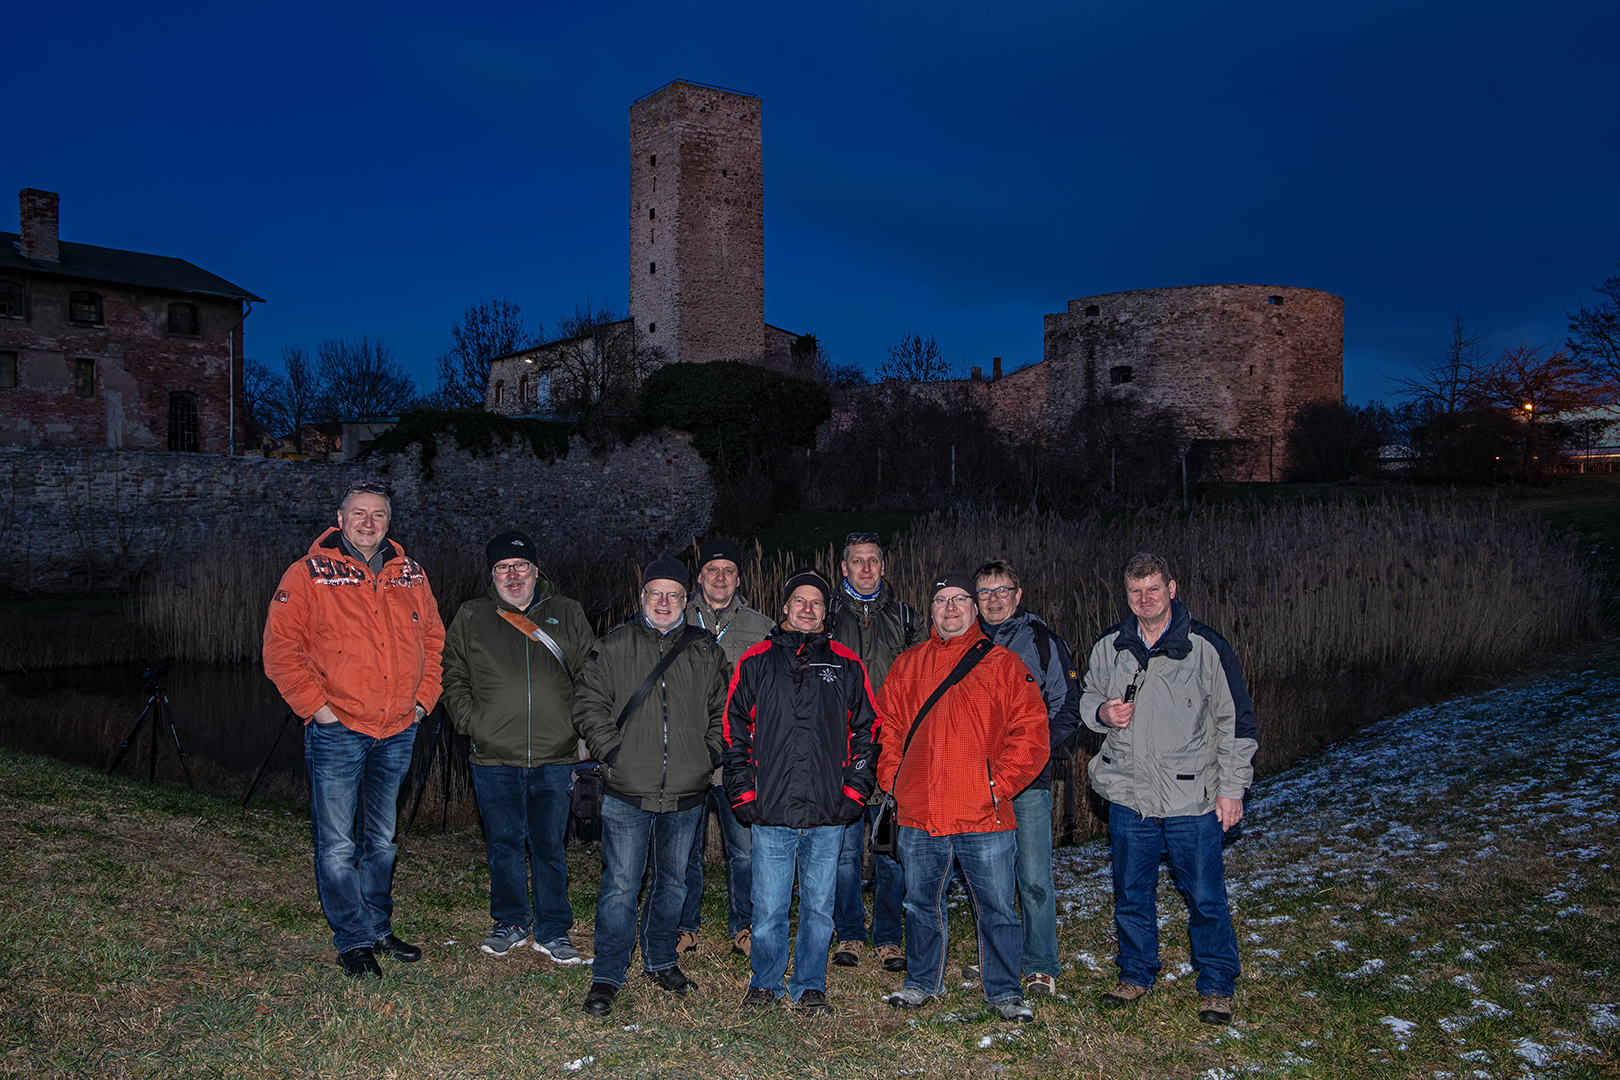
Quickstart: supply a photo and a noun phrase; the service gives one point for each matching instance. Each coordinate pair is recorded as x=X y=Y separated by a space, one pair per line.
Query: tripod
x=160 y=712
x=282 y=730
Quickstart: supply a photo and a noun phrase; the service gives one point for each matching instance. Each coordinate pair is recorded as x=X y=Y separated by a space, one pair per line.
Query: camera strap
x=534 y=633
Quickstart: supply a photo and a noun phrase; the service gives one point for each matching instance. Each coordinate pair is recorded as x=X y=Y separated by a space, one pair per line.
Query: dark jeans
x=633 y=839
x=1037 y=895
x=888 y=894
x=354 y=784
x=738 y=841
x=987 y=861
x=1194 y=847
x=778 y=852
x=525 y=812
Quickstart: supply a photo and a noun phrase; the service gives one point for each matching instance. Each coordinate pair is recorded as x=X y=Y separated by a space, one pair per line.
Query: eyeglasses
x=1000 y=592
x=660 y=597
x=366 y=487
x=513 y=569
x=952 y=601
x=862 y=538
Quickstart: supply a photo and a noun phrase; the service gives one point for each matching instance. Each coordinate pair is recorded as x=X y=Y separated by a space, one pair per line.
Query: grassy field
x=1435 y=898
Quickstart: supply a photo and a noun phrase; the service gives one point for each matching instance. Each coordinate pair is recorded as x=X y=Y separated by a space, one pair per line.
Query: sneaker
x=742 y=942
x=687 y=941
x=1124 y=994
x=1014 y=1010
x=892 y=957
x=812 y=1003
x=1040 y=984
x=505 y=938
x=909 y=997
x=1214 y=1008
x=848 y=954
x=561 y=952
x=759 y=998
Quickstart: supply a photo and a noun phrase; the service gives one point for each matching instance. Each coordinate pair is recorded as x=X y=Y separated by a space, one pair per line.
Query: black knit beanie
x=669 y=568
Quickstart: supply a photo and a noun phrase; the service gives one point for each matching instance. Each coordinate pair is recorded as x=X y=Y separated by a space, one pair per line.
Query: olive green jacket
x=506 y=691
x=670 y=743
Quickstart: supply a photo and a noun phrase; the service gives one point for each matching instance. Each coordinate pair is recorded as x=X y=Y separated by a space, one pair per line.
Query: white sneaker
x=561 y=952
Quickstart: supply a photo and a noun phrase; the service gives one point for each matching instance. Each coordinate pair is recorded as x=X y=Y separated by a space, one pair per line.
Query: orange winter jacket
x=367 y=645
x=981 y=743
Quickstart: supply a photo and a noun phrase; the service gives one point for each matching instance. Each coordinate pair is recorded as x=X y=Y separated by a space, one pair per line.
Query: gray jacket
x=1193 y=735
x=737 y=628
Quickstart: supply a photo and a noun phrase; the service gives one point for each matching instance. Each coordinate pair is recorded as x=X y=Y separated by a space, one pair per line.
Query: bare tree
x=359 y=377
x=260 y=388
x=294 y=398
x=1594 y=334
x=1450 y=382
x=915 y=360
x=486 y=331
x=598 y=362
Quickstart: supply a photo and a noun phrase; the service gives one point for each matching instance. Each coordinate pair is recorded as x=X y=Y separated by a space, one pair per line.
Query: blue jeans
x=987 y=861
x=525 y=812
x=889 y=890
x=1194 y=847
x=354 y=784
x=633 y=838
x=738 y=842
x=777 y=850
x=1037 y=895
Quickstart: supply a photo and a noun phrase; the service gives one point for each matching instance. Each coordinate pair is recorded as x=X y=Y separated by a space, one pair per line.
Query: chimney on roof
x=978 y=375
x=995 y=368
x=38 y=219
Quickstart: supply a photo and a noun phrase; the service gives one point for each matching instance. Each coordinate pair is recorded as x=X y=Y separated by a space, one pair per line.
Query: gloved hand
x=850 y=811
x=746 y=813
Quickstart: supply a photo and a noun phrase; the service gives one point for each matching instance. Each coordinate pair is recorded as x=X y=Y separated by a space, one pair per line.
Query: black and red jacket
x=799 y=730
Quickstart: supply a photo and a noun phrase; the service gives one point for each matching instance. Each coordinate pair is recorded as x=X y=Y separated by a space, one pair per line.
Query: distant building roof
x=94 y=263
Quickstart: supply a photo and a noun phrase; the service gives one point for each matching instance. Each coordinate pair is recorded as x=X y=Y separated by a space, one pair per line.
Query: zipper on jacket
x=995 y=803
x=663 y=695
x=528 y=682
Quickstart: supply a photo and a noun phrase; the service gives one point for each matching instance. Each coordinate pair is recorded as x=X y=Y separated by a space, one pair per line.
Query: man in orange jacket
x=353 y=643
x=981 y=743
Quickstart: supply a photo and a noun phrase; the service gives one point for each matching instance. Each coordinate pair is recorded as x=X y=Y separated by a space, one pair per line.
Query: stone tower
x=697 y=223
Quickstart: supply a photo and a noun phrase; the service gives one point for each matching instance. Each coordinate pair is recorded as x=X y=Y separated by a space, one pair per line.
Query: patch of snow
x=1602 y=1018
x=1533 y=1052
x=1453 y=1024
x=578 y=1063
x=1490 y=1008
x=1370 y=967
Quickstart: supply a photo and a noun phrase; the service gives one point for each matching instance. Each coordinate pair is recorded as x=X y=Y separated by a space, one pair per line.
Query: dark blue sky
x=949 y=169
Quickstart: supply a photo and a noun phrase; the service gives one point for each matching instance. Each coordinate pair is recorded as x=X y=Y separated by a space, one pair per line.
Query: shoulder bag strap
x=689 y=635
x=975 y=653
x=530 y=630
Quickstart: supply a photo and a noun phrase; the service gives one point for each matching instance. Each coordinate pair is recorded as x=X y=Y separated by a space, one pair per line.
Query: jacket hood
x=331 y=541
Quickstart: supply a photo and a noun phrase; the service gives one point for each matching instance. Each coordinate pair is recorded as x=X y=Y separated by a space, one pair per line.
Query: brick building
x=103 y=347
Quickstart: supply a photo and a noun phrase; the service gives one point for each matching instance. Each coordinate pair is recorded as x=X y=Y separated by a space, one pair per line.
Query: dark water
x=226 y=717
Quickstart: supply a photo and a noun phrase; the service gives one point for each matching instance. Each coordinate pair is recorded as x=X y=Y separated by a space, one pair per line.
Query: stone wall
x=95 y=518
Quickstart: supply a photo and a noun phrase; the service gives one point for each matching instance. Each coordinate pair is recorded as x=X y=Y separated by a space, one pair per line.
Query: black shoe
x=399 y=950
x=360 y=963
x=599 y=999
x=812 y=1003
x=674 y=980
x=759 y=998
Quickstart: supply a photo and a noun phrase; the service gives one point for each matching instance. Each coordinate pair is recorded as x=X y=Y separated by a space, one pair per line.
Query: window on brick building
x=652 y=213
x=1274 y=301
x=8 y=371
x=1093 y=309
x=84 y=377
x=182 y=420
x=652 y=268
x=655 y=161
x=1121 y=374
x=523 y=390
x=183 y=320
x=84 y=308
x=500 y=392
x=652 y=328
x=11 y=300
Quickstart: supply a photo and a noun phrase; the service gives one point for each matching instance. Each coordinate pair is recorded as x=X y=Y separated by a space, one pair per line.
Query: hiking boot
x=892 y=957
x=1040 y=984
x=404 y=951
x=599 y=999
x=504 y=939
x=759 y=998
x=742 y=942
x=909 y=997
x=360 y=963
x=1014 y=1010
x=674 y=980
x=848 y=954
x=1124 y=994
x=1214 y=1008
x=561 y=952
x=687 y=941
x=812 y=1003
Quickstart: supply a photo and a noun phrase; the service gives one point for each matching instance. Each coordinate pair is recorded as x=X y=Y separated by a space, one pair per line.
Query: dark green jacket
x=662 y=759
x=506 y=691
x=877 y=630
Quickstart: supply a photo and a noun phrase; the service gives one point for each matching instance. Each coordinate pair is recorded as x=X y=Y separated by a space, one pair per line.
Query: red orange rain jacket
x=981 y=744
x=369 y=645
